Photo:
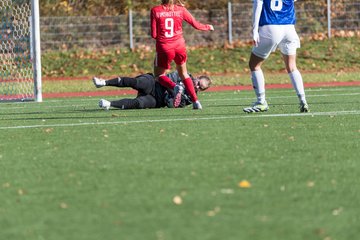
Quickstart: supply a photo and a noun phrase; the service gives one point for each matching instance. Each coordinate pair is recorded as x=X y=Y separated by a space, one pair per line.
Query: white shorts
x=273 y=36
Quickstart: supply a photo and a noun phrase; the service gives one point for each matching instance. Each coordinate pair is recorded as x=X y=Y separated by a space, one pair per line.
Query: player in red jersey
x=166 y=28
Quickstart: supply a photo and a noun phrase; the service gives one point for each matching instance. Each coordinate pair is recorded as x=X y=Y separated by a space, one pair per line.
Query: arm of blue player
x=257 y=8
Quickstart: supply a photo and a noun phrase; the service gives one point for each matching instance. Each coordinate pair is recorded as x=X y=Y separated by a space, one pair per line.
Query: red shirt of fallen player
x=166 y=27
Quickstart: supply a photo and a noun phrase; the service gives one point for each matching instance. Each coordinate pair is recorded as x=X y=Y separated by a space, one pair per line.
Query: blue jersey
x=277 y=12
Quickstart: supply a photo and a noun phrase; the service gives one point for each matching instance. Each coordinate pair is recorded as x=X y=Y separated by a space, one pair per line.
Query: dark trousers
x=144 y=84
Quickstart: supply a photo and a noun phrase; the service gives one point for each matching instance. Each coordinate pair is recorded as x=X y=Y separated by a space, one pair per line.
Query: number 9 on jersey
x=169 y=25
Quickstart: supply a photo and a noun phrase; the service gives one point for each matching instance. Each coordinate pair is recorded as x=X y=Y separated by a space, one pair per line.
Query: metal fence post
x=131 y=30
x=329 y=17
x=230 y=22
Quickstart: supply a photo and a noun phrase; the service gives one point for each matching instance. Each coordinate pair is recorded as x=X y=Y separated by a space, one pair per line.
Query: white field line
x=272 y=91
x=292 y=91
x=331 y=89
x=283 y=97
x=205 y=100
x=240 y=116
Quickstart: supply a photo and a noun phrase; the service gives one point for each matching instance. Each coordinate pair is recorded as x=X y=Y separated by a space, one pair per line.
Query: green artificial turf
x=70 y=170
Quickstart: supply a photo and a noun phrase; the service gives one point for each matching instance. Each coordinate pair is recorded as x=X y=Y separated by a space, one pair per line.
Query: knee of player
x=291 y=68
x=139 y=104
x=253 y=67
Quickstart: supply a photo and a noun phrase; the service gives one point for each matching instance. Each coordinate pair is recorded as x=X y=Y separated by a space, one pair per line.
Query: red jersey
x=166 y=26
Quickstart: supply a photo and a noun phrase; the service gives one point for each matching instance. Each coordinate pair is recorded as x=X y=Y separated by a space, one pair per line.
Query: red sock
x=189 y=86
x=166 y=82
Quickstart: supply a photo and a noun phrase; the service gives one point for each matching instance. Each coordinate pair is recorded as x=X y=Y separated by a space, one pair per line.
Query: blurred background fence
x=232 y=24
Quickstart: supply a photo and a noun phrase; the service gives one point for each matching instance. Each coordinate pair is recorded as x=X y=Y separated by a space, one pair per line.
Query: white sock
x=258 y=81
x=101 y=82
x=297 y=82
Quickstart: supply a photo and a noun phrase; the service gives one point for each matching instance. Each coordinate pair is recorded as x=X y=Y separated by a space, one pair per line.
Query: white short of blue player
x=273 y=26
x=272 y=37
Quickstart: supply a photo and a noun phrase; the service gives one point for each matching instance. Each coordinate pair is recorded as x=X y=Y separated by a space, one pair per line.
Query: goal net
x=20 y=69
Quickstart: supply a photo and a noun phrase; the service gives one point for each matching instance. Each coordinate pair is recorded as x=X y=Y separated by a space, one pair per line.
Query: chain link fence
x=231 y=24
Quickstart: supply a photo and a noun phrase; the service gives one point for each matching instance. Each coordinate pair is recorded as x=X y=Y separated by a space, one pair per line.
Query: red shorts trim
x=164 y=59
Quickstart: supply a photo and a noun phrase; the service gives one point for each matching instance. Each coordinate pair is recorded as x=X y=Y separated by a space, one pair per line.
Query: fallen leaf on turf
x=49 y=130
x=177 y=200
x=6 y=185
x=63 y=205
x=337 y=211
x=21 y=192
x=211 y=213
x=244 y=184
x=310 y=184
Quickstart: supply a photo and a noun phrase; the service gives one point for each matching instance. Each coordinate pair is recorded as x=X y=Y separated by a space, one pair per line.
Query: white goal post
x=20 y=56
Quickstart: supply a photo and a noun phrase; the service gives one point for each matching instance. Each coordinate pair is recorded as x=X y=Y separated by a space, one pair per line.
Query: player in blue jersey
x=274 y=27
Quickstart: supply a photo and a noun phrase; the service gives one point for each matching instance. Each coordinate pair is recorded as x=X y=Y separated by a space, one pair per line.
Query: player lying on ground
x=274 y=26
x=150 y=93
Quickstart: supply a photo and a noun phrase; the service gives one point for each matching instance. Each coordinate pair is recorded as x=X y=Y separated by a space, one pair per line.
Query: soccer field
x=70 y=170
